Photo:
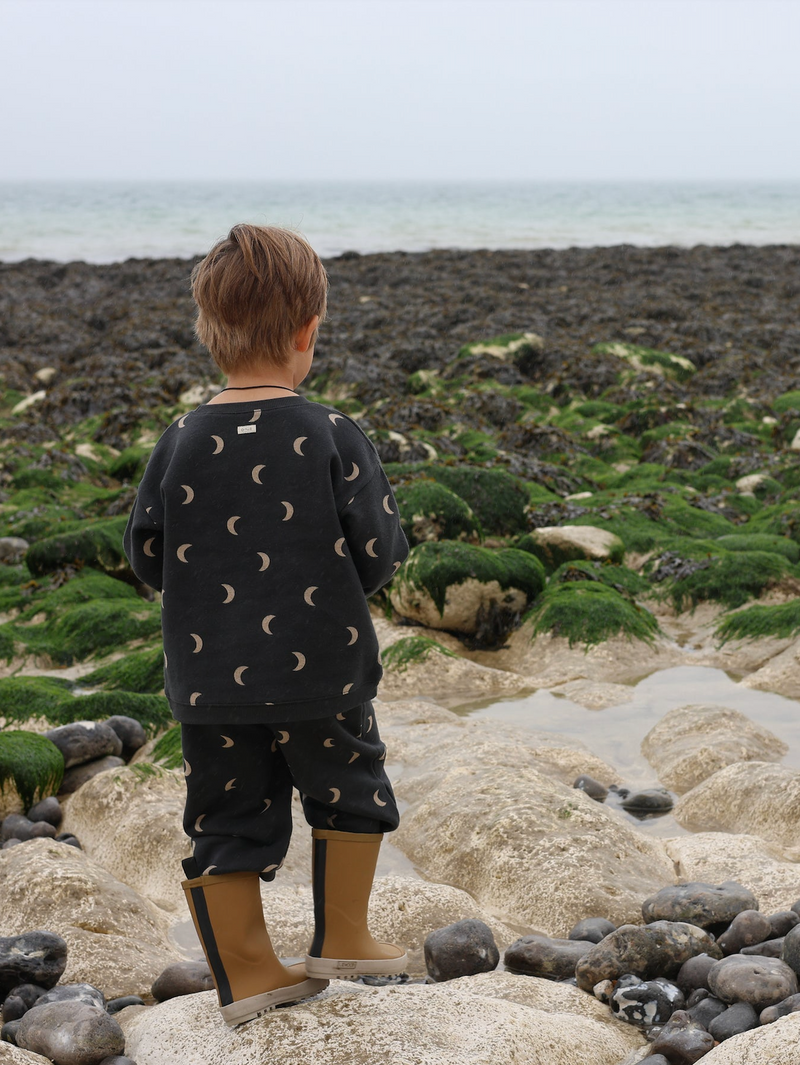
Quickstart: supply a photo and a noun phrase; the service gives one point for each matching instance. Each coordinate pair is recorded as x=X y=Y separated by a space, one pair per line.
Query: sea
x=102 y=222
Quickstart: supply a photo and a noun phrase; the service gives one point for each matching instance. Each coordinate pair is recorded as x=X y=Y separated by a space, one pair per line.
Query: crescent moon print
x=189 y=493
x=369 y=724
x=229 y=594
x=353 y=757
x=182 y=421
x=228 y=741
x=270 y=869
x=397 y=566
x=337 y=547
x=197 y=827
x=328 y=743
x=264 y=560
x=187 y=769
x=289 y=510
x=256 y=473
x=301 y=661
x=370 y=547
x=354 y=474
x=206 y=872
x=231 y=524
x=336 y=794
x=307 y=594
x=237 y=674
x=194 y=697
x=256 y=415
x=147 y=510
x=297 y=446
x=340 y=717
x=386 y=506
x=353 y=635
x=283 y=737
x=267 y=804
x=333 y=417
x=346 y=689
x=198 y=642
x=148 y=550
x=378 y=802
x=181 y=552
x=265 y=624
x=165 y=660
x=219 y=444
x=232 y=784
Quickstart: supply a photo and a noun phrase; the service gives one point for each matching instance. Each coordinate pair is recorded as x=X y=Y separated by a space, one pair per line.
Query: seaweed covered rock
x=589 y=612
x=97 y=543
x=691 y=742
x=33 y=764
x=557 y=544
x=51 y=699
x=731 y=578
x=648 y=360
x=466 y=589
x=429 y=511
x=497 y=498
x=140 y=671
x=781 y=620
x=90 y=628
x=780 y=545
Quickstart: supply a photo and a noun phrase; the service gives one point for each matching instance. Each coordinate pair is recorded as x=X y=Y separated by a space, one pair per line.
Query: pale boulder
x=453 y=680
x=116 y=939
x=714 y=857
x=440 y=1024
x=690 y=743
x=780 y=674
x=757 y=798
x=564 y=543
x=595 y=695
x=774 y=1044
x=11 y=1055
x=464 y=602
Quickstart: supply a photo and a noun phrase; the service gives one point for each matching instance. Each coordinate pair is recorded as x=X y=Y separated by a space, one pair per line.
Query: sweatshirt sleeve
x=371 y=526
x=144 y=536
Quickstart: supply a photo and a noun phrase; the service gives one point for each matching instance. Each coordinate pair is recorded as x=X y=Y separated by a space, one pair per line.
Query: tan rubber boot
x=249 y=978
x=344 y=868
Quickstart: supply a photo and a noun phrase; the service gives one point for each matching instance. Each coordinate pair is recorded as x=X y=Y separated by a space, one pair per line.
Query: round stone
x=182 y=978
x=49 y=810
x=114 y=1005
x=84 y=741
x=770 y=948
x=8 y=1033
x=553 y=959
x=693 y=973
x=747 y=928
x=461 y=949
x=649 y=801
x=42 y=830
x=592 y=929
x=791 y=949
x=782 y=1009
x=79 y=774
x=86 y=993
x=699 y=904
x=706 y=1010
x=682 y=1041
x=130 y=732
x=760 y=981
x=10 y=843
x=645 y=1003
x=15 y=826
x=658 y=949
x=31 y=958
x=740 y=1017
x=70 y=1033
x=593 y=788
x=783 y=922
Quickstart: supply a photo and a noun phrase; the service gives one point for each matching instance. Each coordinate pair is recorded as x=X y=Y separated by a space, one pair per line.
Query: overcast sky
x=399 y=89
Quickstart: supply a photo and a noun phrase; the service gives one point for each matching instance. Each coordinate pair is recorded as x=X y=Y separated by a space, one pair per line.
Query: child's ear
x=306 y=336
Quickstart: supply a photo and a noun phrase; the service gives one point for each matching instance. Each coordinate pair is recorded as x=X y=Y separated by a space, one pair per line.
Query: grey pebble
x=70 y=1033
x=20 y=999
x=740 y=1017
x=117 y=1060
x=31 y=958
x=8 y=1033
x=544 y=956
x=77 y=776
x=783 y=921
x=593 y=788
x=49 y=810
x=658 y=949
x=84 y=741
x=791 y=949
x=747 y=928
x=760 y=981
x=592 y=929
x=782 y=1009
x=10 y=843
x=182 y=978
x=698 y=903
x=649 y=801
x=15 y=826
x=682 y=1040
x=85 y=993
x=130 y=732
x=654 y=1059
x=693 y=973
x=114 y=1005
x=706 y=1010
x=770 y=948
x=461 y=949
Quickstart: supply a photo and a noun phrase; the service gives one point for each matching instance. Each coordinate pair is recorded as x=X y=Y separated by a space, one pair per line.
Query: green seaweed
x=649 y=359
x=24 y=698
x=32 y=763
x=589 y=612
x=730 y=578
x=168 y=750
x=429 y=511
x=497 y=498
x=779 y=545
x=89 y=628
x=142 y=671
x=412 y=650
x=96 y=543
x=788 y=401
x=130 y=464
x=613 y=575
x=756 y=622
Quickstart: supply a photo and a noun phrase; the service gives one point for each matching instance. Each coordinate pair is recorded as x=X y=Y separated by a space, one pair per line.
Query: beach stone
x=16 y=826
x=592 y=929
x=690 y=743
x=780 y=673
x=20 y=999
x=750 y=797
x=182 y=978
x=682 y=1041
x=658 y=949
x=36 y=957
x=48 y=810
x=781 y=1009
x=555 y=544
x=114 y=1005
x=593 y=788
x=118 y=1060
x=79 y=775
x=461 y=949
x=699 y=904
x=706 y=1010
x=693 y=974
x=10 y=843
x=70 y=1033
x=553 y=959
x=747 y=928
x=485 y=1019
x=84 y=741
x=111 y=937
x=738 y=1018
x=8 y=1034
x=771 y=1044
x=70 y=841
x=648 y=801
x=770 y=948
x=760 y=981
x=783 y=922
x=130 y=732
x=791 y=949
x=653 y=1059
x=86 y=993
x=645 y=1003
x=12 y=549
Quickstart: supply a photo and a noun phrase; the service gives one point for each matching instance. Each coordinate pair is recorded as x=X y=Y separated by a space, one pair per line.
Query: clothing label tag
x=245 y=429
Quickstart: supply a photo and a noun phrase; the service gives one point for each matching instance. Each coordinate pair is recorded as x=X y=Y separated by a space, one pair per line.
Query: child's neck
x=270 y=383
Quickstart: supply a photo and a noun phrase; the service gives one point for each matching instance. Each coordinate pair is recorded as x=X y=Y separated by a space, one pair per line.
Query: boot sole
x=351 y=969
x=247 y=1009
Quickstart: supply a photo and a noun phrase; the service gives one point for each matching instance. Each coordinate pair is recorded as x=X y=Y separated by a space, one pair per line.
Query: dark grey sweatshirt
x=266 y=525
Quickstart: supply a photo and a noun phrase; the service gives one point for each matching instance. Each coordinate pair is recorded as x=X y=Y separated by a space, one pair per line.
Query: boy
x=265 y=520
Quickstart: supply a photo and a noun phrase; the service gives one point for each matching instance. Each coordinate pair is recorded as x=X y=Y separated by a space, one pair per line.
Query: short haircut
x=254 y=290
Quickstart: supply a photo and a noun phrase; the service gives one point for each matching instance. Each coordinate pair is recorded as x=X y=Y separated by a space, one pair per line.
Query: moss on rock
x=756 y=622
x=788 y=401
x=429 y=511
x=613 y=575
x=497 y=498
x=142 y=671
x=649 y=360
x=24 y=698
x=130 y=464
x=151 y=711
x=168 y=751
x=731 y=578
x=589 y=612
x=97 y=543
x=32 y=763
x=89 y=628
x=412 y=650
x=779 y=545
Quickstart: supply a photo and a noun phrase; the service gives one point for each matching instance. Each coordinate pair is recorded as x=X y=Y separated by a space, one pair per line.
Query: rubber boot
x=343 y=871
x=229 y=919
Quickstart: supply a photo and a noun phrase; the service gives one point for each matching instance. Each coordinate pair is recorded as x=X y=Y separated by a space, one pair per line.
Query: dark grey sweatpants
x=239 y=781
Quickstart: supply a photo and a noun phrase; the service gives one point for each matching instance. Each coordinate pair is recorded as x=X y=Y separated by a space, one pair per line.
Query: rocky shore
x=596 y=455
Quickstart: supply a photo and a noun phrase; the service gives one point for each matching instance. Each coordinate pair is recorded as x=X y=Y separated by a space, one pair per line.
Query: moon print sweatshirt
x=265 y=526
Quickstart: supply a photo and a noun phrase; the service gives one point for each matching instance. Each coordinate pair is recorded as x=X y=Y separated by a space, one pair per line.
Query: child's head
x=255 y=291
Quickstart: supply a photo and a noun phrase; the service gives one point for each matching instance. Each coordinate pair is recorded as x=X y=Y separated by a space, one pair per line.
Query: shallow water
x=615 y=733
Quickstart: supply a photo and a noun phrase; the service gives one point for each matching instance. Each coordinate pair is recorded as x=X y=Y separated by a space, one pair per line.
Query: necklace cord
x=246 y=388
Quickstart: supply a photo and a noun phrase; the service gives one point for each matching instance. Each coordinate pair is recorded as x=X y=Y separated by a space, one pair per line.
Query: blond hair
x=254 y=291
